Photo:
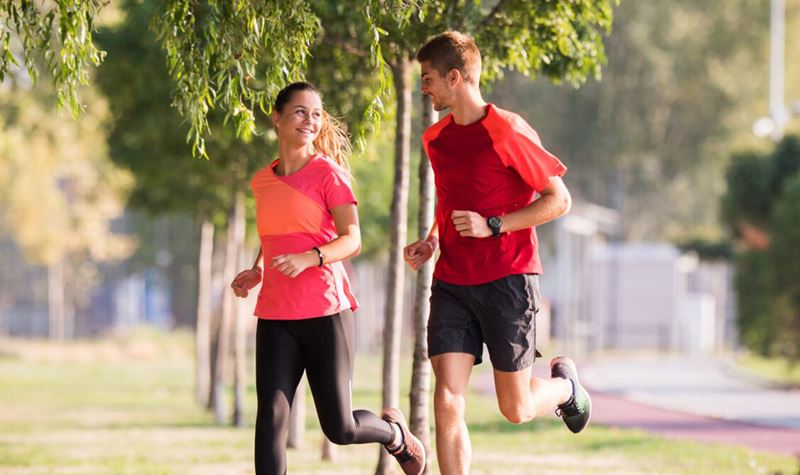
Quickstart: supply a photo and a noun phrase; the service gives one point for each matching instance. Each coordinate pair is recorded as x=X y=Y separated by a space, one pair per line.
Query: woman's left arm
x=347 y=245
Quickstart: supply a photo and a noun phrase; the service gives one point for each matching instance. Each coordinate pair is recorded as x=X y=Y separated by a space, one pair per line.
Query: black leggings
x=323 y=347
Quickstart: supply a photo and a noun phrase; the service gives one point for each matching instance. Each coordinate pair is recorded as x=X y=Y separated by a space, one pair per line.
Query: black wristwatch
x=494 y=223
x=321 y=256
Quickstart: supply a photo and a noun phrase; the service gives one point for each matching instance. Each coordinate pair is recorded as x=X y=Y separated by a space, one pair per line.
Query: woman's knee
x=339 y=430
x=341 y=435
x=273 y=412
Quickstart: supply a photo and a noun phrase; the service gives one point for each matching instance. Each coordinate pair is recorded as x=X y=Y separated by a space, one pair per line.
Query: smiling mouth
x=306 y=131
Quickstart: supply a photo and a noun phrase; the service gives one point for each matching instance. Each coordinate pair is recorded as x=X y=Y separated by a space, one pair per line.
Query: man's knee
x=448 y=402
x=515 y=412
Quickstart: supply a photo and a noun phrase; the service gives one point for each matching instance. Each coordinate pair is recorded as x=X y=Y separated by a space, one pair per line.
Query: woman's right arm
x=247 y=279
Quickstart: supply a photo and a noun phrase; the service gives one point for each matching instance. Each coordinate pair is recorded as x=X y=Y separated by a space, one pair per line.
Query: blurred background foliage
x=664 y=136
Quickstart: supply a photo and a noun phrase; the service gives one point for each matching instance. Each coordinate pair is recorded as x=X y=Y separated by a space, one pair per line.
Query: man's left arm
x=554 y=202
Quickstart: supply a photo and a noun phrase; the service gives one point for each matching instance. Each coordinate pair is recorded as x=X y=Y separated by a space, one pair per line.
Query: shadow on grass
x=594 y=439
x=505 y=427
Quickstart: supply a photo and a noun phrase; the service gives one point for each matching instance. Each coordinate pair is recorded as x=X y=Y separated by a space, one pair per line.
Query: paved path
x=688 y=398
x=616 y=411
x=699 y=386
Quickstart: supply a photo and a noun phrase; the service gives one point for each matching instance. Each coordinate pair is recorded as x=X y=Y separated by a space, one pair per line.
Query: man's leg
x=508 y=323
x=521 y=398
x=452 y=371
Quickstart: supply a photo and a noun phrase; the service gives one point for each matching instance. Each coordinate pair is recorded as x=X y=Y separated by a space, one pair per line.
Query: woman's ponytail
x=334 y=141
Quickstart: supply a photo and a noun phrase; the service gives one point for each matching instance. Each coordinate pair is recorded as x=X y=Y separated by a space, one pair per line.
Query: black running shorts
x=501 y=314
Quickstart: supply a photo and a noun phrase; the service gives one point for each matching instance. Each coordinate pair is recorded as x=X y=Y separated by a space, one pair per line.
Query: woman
x=308 y=223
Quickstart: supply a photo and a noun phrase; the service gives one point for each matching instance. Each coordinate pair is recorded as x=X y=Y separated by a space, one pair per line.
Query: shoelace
x=402 y=454
x=570 y=408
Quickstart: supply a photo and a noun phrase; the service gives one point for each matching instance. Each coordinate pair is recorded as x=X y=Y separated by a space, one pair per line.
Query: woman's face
x=300 y=120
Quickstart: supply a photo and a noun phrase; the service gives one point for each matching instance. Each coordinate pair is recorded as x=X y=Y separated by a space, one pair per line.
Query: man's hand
x=246 y=280
x=419 y=252
x=293 y=264
x=471 y=224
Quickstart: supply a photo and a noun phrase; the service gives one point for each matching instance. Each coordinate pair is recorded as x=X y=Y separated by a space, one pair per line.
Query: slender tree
x=421 y=372
x=204 y=302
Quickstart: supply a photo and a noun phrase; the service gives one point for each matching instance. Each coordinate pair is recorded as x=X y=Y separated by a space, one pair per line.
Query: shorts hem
x=478 y=359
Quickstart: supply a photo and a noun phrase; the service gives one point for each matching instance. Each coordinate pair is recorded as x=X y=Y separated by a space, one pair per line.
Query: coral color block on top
x=293 y=215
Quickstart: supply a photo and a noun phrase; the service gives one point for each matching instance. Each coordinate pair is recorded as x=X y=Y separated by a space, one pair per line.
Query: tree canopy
x=58 y=189
x=233 y=57
x=57 y=36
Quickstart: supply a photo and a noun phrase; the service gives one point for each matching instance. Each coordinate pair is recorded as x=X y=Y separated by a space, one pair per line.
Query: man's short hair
x=453 y=50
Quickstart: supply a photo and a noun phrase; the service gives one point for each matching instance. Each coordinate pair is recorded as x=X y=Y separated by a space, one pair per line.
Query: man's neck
x=468 y=108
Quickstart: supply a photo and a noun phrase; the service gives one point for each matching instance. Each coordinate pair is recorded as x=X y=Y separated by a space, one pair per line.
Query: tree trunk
x=237 y=317
x=399 y=217
x=226 y=320
x=329 y=452
x=297 y=417
x=421 y=373
x=217 y=289
x=56 y=303
x=203 y=328
x=212 y=359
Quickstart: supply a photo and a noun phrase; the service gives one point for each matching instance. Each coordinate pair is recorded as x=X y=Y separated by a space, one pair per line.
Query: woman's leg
x=329 y=346
x=279 y=367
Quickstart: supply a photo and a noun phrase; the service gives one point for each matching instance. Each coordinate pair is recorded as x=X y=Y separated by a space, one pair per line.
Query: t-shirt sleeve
x=522 y=150
x=337 y=189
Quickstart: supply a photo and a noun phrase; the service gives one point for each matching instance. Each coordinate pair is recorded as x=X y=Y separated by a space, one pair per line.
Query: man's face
x=436 y=86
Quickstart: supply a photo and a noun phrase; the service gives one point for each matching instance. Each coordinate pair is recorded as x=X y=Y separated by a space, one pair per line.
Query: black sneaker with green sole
x=577 y=411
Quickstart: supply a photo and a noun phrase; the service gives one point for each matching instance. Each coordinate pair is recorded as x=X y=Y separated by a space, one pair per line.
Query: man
x=489 y=165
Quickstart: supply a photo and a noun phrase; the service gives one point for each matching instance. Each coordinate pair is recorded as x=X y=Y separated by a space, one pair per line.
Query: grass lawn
x=776 y=370
x=126 y=406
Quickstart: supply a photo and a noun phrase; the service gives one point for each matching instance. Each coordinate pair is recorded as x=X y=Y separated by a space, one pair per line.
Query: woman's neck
x=292 y=159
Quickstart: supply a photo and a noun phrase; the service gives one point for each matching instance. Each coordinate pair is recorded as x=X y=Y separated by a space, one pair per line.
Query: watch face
x=494 y=222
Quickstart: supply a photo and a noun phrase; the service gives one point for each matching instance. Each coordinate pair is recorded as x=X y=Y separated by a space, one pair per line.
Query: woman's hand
x=246 y=280
x=293 y=264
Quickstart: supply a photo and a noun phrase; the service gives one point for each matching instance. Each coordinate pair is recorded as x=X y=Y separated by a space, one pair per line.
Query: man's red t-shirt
x=493 y=166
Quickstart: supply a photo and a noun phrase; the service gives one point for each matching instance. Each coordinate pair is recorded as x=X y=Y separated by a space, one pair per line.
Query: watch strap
x=319 y=253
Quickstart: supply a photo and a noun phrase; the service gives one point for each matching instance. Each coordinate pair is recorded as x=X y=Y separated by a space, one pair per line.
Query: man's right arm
x=417 y=253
